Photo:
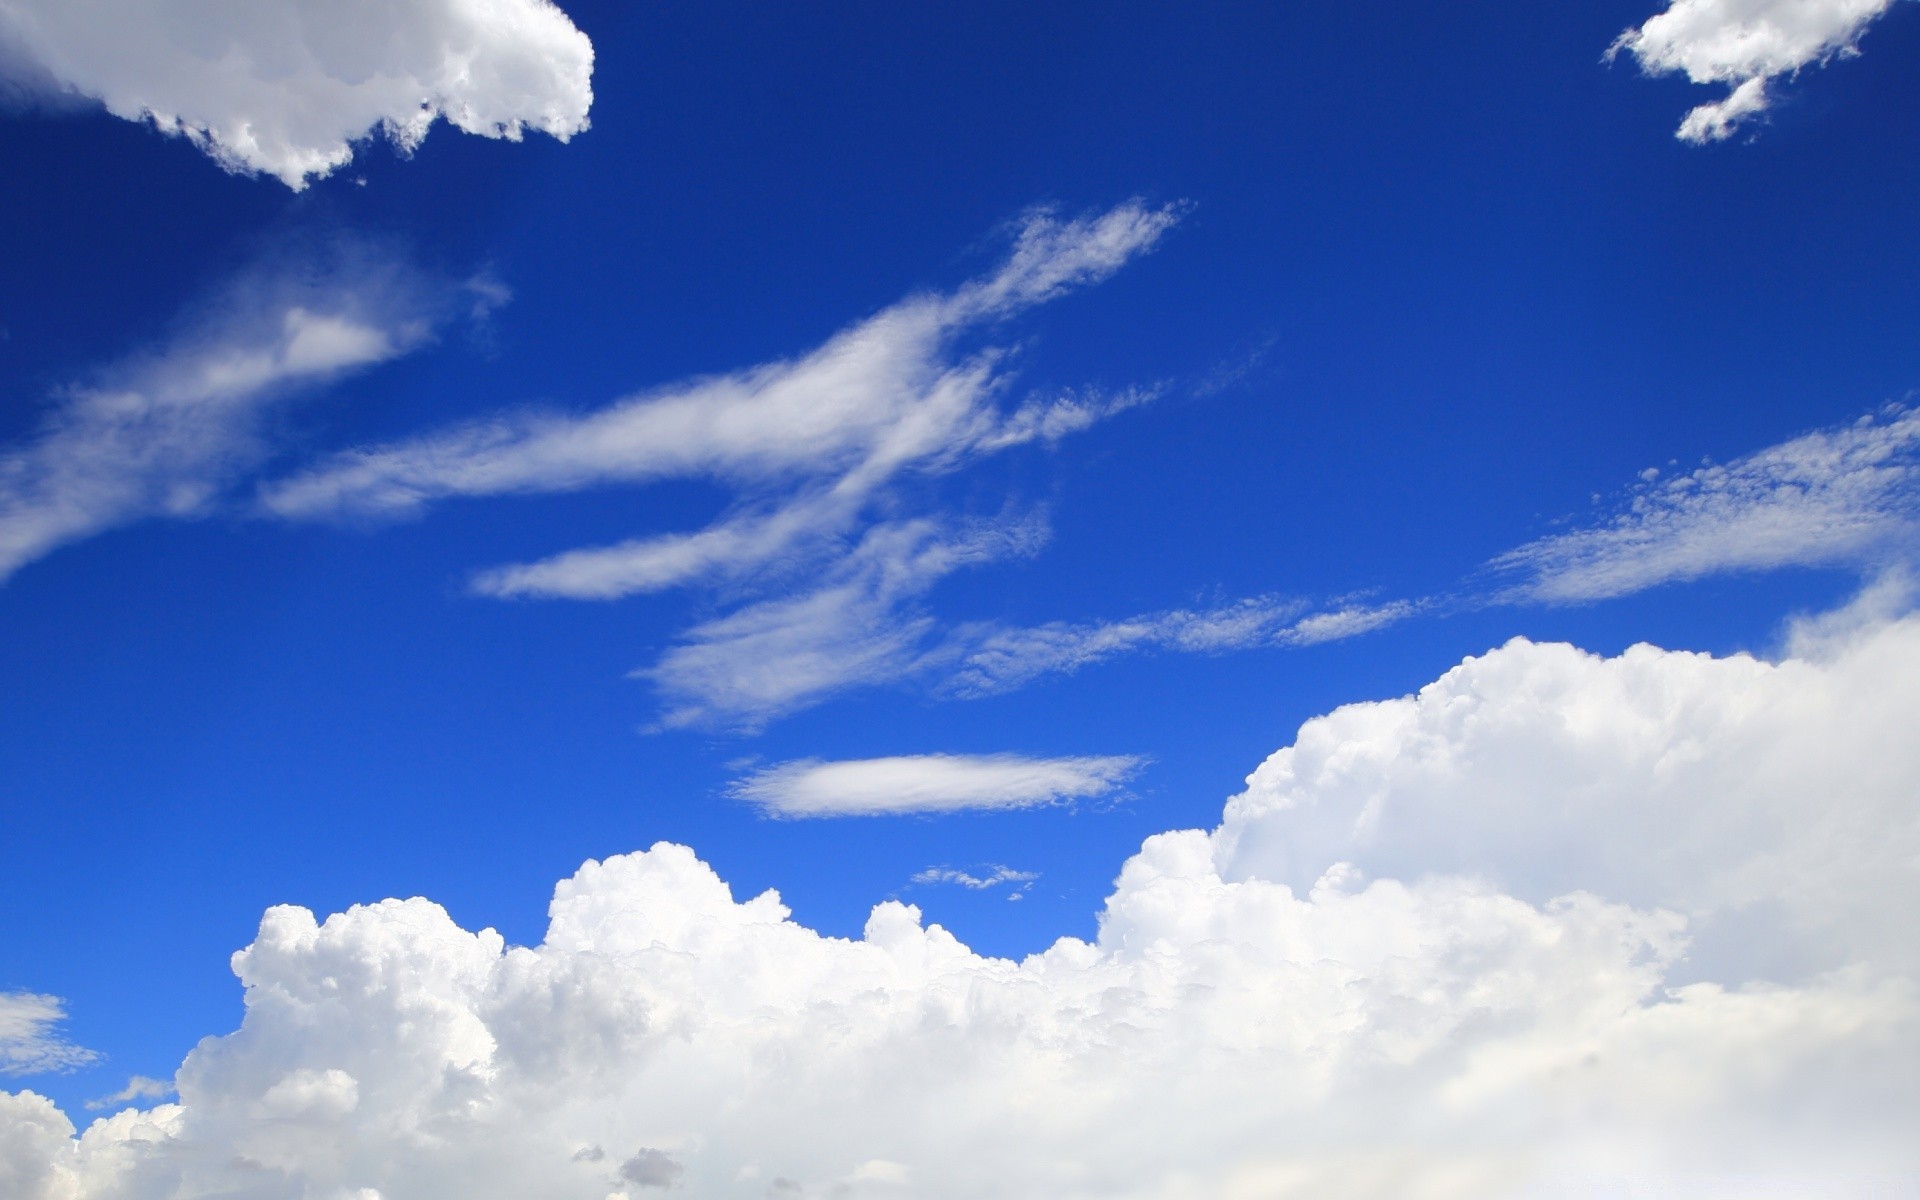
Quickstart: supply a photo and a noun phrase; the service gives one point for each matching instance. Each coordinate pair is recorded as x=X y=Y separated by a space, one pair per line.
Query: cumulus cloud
x=930 y=783
x=286 y=87
x=1462 y=944
x=1847 y=496
x=166 y=433
x=1745 y=44
x=30 y=1042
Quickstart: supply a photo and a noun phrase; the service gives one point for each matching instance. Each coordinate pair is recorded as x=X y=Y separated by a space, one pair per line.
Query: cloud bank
x=1745 y=44
x=167 y=432
x=1440 y=947
x=286 y=87
x=929 y=783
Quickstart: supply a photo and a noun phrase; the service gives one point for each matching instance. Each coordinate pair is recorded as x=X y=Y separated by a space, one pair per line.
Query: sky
x=1072 y=600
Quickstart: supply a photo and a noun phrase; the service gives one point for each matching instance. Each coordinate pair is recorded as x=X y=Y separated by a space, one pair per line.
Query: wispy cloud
x=286 y=88
x=1845 y=496
x=140 y=1087
x=991 y=876
x=167 y=432
x=30 y=1043
x=1745 y=44
x=929 y=783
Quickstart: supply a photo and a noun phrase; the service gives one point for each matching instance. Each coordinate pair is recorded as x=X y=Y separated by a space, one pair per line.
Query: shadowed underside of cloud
x=1745 y=44
x=168 y=432
x=928 y=783
x=1436 y=949
x=286 y=87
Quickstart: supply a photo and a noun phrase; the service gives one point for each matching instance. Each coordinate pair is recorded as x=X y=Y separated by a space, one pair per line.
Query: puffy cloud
x=930 y=783
x=286 y=87
x=167 y=432
x=1846 y=496
x=29 y=1040
x=1438 y=948
x=1746 y=44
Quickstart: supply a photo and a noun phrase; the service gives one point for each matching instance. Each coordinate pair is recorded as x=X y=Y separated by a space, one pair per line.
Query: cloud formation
x=1440 y=948
x=30 y=1042
x=929 y=783
x=286 y=87
x=1745 y=44
x=1845 y=496
x=992 y=876
x=167 y=432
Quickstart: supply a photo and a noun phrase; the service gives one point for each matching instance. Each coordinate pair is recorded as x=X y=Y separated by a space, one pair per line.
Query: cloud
x=286 y=87
x=994 y=874
x=994 y=659
x=139 y=1087
x=928 y=783
x=1746 y=44
x=167 y=432
x=1846 y=496
x=1517 y=935
x=29 y=1044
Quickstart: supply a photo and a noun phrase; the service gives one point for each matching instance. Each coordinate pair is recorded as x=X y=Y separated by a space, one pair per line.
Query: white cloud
x=286 y=87
x=993 y=659
x=1847 y=496
x=29 y=1042
x=139 y=1087
x=164 y=434
x=929 y=783
x=1435 y=950
x=1745 y=44
x=992 y=876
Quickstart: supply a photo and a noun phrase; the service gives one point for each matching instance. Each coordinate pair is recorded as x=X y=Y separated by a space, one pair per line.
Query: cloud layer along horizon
x=1557 y=925
x=286 y=87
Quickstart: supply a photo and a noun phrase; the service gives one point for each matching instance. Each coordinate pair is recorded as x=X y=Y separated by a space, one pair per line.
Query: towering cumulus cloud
x=285 y=87
x=1440 y=947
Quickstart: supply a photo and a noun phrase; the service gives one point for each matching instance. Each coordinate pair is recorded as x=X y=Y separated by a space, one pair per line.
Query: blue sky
x=1016 y=421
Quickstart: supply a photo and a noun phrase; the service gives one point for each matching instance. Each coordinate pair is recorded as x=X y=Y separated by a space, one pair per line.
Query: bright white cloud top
x=165 y=433
x=1438 y=948
x=1745 y=44
x=285 y=87
x=929 y=783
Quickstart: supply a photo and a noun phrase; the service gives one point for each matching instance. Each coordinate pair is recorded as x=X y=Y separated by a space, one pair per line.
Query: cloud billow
x=287 y=87
x=1557 y=925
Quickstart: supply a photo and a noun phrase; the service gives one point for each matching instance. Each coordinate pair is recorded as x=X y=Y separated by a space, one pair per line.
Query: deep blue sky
x=1465 y=275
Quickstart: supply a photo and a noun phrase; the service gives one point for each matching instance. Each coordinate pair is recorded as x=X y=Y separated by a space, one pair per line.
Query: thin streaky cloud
x=168 y=432
x=929 y=783
x=30 y=1041
x=1847 y=496
x=992 y=876
x=1745 y=45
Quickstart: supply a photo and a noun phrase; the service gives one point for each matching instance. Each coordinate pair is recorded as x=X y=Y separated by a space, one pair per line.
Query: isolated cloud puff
x=286 y=87
x=1745 y=44
x=1435 y=1012
x=929 y=783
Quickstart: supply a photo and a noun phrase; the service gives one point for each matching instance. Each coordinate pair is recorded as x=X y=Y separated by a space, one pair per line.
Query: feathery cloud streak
x=164 y=434
x=1354 y=988
x=29 y=1041
x=929 y=783
x=286 y=87
x=1746 y=44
